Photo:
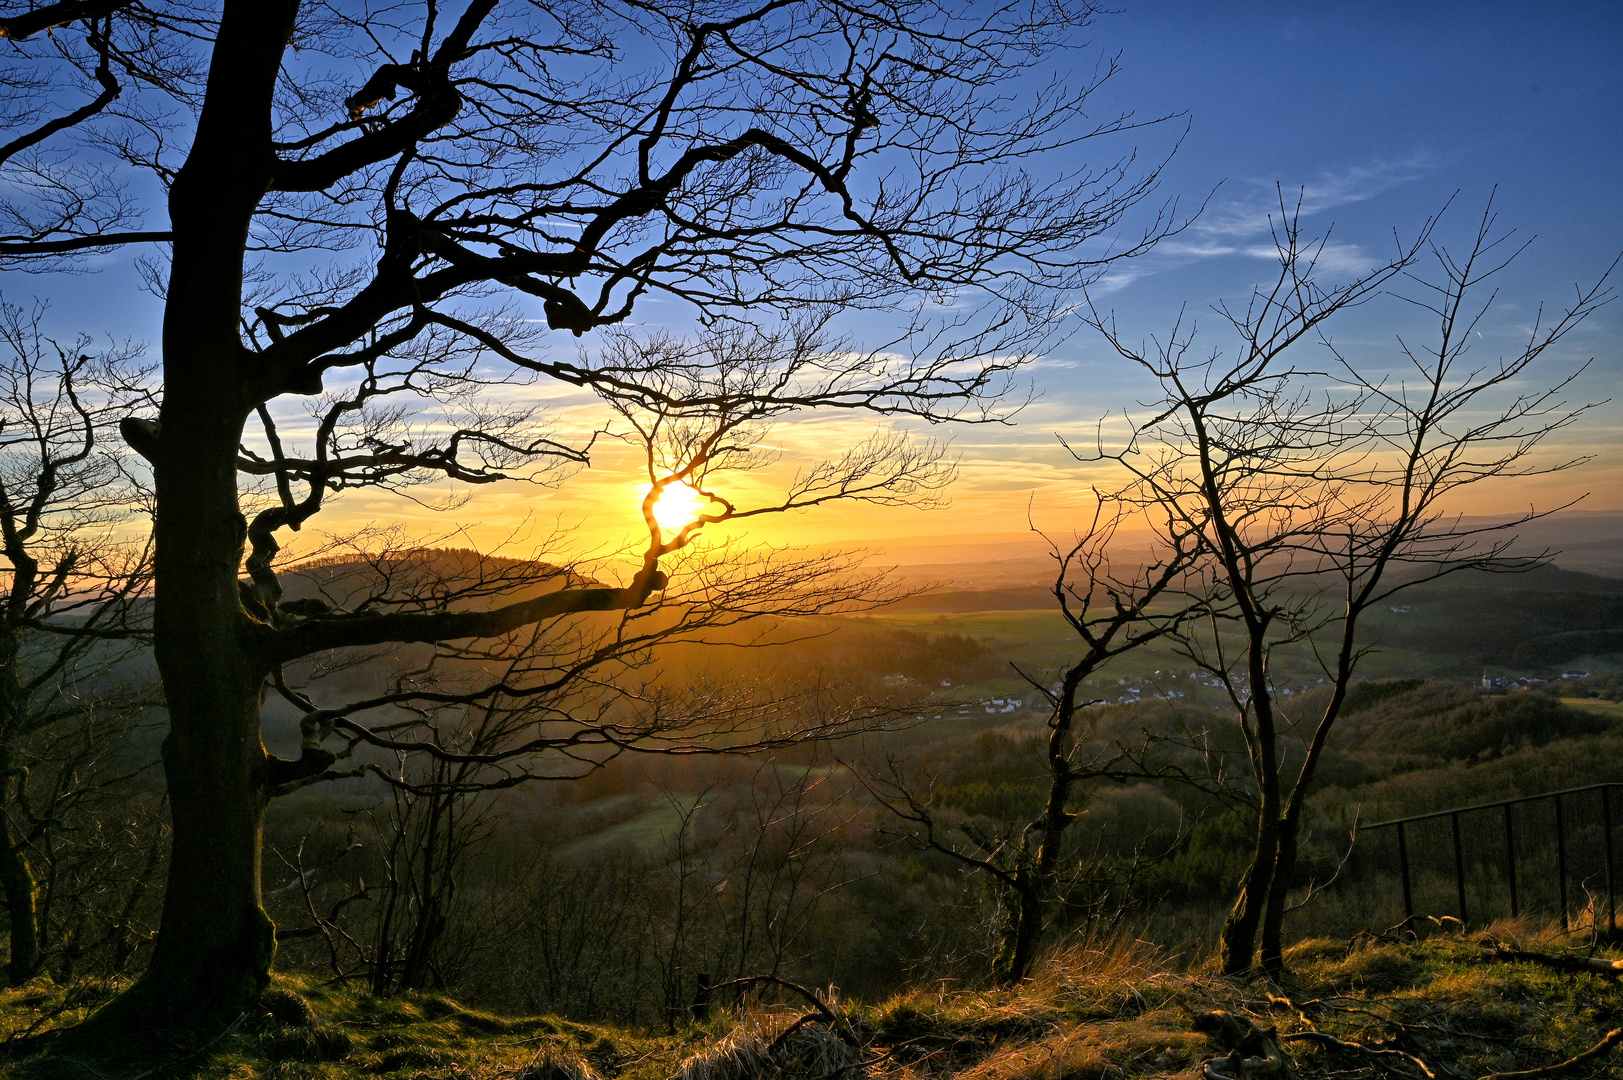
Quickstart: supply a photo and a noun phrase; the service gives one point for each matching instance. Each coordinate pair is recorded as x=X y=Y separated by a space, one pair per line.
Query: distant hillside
x=953 y=599
x=1539 y=619
x=427 y=577
x=1587 y=540
x=999 y=571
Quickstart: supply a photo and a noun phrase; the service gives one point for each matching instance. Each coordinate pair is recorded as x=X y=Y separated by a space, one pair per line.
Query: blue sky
x=1378 y=112
x=1384 y=110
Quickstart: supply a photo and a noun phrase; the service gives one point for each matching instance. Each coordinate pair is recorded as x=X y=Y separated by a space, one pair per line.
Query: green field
x=1610 y=709
x=1041 y=643
x=647 y=833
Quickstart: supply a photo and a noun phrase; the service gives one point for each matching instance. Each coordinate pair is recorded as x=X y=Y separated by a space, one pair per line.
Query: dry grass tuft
x=1122 y=977
x=551 y=1063
x=1143 y=1046
x=1376 y=968
x=758 y=1050
x=1090 y=1010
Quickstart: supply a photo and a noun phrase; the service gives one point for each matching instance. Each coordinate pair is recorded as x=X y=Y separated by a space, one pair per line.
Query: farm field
x=1040 y=642
x=1611 y=709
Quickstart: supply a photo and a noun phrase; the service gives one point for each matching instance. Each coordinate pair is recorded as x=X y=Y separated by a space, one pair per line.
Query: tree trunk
x=215 y=942
x=1240 y=929
x=1039 y=881
x=1273 y=919
x=17 y=880
x=18 y=884
x=1272 y=955
x=1290 y=822
x=1019 y=944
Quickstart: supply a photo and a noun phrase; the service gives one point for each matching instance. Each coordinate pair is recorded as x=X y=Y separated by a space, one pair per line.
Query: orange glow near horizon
x=1006 y=485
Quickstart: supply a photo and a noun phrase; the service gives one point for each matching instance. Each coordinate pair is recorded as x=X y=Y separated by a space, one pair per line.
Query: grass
x=301 y=1029
x=1612 y=710
x=1121 y=1010
x=1041 y=641
x=646 y=832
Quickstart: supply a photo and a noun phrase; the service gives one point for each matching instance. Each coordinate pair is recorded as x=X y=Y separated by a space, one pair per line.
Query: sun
x=678 y=505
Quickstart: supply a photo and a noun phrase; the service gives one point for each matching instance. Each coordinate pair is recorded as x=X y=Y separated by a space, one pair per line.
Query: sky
x=1376 y=114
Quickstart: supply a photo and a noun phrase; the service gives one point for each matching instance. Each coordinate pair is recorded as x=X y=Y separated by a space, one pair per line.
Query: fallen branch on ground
x=1253 y=1051
x=1601 y=1048
x=1375 y=1053
x=823 y=1012
x=1436 y=920
x=1597 y=965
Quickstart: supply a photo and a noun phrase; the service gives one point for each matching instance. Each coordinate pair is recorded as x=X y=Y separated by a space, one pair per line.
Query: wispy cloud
x=1252 y=212
x=1049 y=363
x=1242 y=223
x=1199 y=250
x=1331 y=257
x=1118 y=279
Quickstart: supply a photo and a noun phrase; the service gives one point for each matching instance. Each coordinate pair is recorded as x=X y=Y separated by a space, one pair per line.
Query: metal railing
x=1511 y=860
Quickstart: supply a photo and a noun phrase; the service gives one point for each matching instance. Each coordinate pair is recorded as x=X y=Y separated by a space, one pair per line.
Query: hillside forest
x=626 y=885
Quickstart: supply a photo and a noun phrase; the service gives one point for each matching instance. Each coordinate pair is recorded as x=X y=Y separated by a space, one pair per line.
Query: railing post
x=1459 y=864
x=1403 y=862
x=1510 y=860
x=1606 y=829
x=1561 y=858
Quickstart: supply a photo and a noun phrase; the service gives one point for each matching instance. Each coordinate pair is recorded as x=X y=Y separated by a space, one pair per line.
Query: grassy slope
x=1612 y=710
x=1040 y=641
x=647 y=832
x=1121 y=1011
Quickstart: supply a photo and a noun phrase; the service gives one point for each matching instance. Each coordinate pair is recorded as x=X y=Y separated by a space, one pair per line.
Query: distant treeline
x=1013 y=599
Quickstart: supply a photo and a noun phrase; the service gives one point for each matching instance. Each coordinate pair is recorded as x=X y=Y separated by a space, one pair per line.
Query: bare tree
x=587 y=938
x=68 y=598
x=790 y=838
x=1114 y=606
x=389 y=907
x=457 y=167
x=1318 y=489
